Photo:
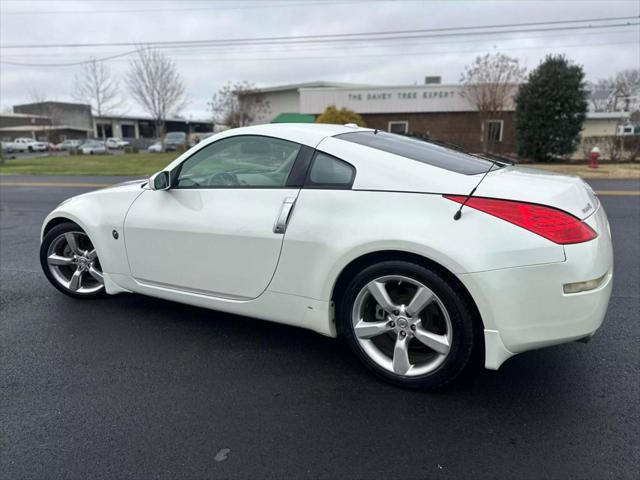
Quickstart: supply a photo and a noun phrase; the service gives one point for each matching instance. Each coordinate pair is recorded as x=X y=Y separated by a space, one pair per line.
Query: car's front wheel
x=407 y=324
x=70 y=262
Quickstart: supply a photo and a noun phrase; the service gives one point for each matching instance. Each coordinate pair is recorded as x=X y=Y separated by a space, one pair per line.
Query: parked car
x=26 y=145
x=174 y=140
x=93 y=147
x=52 y=147
x=69 y=144
x=155 y=148
x=349 y=231
x=116 y=143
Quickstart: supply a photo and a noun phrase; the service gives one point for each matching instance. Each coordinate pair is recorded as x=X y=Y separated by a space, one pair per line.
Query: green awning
x=294 y=118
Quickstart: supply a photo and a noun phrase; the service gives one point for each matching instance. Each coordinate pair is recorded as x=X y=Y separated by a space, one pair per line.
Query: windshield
x=421 y=151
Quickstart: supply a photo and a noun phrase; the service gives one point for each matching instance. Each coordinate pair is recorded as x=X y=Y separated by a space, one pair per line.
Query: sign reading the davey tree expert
x=408 y=95
x=427 y=98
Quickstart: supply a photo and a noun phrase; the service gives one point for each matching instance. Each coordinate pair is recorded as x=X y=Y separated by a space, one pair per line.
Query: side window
x=243 y=161
x=330 y=172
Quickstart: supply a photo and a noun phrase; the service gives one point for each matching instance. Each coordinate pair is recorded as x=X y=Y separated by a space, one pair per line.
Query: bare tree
x=490 y=83
x=627 y=90
x=36 y=95
x=601 y=95
x=237 y=105
x=97 y=87
x=618 y=93
x=156 y=84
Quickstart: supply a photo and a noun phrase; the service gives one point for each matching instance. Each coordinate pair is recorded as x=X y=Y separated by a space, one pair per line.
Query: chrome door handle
x=283 y=217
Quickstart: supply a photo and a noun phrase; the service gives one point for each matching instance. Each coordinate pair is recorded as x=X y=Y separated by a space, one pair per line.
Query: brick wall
x=460 y=128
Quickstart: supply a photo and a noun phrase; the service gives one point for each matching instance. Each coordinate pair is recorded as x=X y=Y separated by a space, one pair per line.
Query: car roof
x=306 y=133
x=310 y=134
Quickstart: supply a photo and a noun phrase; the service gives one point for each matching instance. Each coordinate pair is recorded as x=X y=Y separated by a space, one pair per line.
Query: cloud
x=601 y=53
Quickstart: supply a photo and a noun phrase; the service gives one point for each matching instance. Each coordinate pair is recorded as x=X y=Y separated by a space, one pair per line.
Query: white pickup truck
x=115 y=143
x=25 y=145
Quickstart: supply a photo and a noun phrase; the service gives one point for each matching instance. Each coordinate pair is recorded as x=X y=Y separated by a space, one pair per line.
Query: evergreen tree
x=550 y=109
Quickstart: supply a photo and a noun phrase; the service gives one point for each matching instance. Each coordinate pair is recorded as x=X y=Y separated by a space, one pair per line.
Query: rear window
x=420 y=150
x=175 y=136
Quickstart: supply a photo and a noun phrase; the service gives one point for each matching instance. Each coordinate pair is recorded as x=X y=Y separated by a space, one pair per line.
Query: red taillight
x=550 y=223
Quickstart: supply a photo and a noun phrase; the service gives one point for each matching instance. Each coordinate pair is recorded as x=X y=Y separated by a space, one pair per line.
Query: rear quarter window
x=420 y=150
x=328 y=171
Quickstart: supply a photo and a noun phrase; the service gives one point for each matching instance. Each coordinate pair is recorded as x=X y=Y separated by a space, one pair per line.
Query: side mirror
x=160 y=181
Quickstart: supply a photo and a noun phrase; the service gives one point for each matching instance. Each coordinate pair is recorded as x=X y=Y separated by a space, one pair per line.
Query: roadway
x=135 y=387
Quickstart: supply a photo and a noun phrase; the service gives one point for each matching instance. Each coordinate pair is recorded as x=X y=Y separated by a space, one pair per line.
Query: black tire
x=462 y=323
x=51 y=235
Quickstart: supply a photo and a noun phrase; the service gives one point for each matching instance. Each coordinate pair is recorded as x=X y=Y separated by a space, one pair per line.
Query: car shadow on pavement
x=293 y=351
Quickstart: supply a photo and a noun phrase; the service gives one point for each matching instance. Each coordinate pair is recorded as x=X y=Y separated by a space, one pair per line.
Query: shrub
x=340 y=116
x=613 y=148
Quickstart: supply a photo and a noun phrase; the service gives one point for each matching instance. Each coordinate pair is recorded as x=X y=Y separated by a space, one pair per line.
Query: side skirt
x=276 y=307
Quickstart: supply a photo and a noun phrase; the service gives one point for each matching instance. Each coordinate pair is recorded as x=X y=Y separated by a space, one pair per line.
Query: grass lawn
x=611 y=171
x=131 y=164
x=134 y=164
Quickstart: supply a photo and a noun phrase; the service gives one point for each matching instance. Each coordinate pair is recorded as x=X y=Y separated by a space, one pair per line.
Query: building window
x=104 y=130
x=494 y=130
x=128 y=131
x=399 y=127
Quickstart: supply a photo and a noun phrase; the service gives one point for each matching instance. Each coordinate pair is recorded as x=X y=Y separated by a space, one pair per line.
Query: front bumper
x=525 y=308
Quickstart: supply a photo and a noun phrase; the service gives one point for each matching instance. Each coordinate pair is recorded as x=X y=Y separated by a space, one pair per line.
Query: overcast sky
x=602 y=52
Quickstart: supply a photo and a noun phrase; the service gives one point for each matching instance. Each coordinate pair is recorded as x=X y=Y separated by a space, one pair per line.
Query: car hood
x=568 y=193
x=128 y=183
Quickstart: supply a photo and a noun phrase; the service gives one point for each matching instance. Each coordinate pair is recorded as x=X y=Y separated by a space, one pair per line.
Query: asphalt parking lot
x=134 y=387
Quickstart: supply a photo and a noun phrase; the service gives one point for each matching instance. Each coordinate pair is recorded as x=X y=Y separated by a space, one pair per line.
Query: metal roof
x=317 y=84
x=607 y=115
x=149 y=119
x=21 y=115
x=42 y=128
x=294 y=118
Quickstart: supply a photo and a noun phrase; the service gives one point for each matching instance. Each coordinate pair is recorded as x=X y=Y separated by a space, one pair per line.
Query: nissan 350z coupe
x=351 y=232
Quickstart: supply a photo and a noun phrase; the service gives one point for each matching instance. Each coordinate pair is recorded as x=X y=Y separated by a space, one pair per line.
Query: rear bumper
x=525 y=308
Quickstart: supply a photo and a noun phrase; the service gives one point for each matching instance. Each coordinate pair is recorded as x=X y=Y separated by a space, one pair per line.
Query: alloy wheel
x=73 y=263
x=402 y=325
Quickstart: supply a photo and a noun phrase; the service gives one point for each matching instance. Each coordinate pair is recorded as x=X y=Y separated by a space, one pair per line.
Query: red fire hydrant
x=595 y=154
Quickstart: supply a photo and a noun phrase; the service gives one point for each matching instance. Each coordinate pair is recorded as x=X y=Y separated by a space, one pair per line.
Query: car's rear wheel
x=407 y=324
x=70 y=262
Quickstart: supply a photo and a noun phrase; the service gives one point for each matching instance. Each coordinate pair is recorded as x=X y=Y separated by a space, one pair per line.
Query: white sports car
x=376 y=237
